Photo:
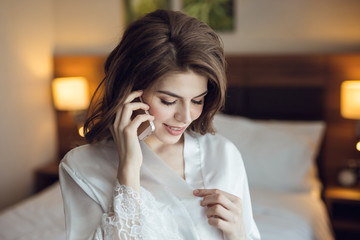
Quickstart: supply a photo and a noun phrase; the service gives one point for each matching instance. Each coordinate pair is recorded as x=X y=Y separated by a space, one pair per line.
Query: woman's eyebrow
x=177 y=96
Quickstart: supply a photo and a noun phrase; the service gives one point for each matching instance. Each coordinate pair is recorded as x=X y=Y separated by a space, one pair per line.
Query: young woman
x=182 y=181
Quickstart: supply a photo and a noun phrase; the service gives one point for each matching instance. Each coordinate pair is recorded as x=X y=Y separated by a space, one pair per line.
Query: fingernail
x=196 y=191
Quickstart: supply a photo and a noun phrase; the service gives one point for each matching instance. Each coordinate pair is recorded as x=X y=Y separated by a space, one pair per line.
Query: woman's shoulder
x=90 y=152
x=90 y=158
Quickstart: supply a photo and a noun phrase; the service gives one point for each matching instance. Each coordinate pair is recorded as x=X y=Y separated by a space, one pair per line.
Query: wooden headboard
x=291 y=87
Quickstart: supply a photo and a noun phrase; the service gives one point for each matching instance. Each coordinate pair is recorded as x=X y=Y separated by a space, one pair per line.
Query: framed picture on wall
x=218 y=14
x=135 y=9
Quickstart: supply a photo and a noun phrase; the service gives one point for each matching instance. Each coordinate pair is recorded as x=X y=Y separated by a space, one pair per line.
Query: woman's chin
x=169 y=139
x=164 y=138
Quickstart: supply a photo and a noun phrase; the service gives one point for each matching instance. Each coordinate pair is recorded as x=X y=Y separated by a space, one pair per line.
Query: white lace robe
x=132 y=216
x=98 y=207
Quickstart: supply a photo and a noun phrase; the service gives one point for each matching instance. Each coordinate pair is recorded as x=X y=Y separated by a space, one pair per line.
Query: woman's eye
x=167 y=103
x=198 y=102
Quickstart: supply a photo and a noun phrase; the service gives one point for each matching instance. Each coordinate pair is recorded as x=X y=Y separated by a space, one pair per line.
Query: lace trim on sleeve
x=137 y=216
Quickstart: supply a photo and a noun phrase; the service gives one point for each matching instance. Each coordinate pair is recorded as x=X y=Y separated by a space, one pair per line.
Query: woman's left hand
x=224 y=211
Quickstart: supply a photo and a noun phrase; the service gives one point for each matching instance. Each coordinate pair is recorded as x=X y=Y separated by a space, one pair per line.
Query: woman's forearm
x=129 y=176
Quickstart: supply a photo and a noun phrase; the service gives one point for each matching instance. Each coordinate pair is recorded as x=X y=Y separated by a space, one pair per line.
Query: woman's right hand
x=124 y=132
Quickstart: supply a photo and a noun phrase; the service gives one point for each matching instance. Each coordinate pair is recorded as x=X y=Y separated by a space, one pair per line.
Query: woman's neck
x=172 y=154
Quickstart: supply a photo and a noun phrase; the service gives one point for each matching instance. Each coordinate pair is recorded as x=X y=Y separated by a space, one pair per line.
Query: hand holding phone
x=146 y=128
x=125 y=132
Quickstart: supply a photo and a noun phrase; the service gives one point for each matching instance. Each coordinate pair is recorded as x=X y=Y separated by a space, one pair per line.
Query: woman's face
x=175 y=100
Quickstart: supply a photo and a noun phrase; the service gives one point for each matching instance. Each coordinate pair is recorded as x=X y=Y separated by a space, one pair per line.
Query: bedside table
x=46 y=175
x=344 y=210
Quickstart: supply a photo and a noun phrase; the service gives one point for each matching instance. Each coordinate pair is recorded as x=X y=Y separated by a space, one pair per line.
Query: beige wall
x=87 y=26
x=295 y=26
x=27 y=129
x=276 y=26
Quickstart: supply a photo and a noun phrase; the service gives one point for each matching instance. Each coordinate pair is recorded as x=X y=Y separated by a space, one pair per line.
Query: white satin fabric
x=88 y=173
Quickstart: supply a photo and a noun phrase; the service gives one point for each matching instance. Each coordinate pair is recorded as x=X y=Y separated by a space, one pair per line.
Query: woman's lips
x=174 y=130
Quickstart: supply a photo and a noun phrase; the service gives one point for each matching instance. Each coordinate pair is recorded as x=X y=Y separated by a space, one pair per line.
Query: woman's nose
x=184 y=115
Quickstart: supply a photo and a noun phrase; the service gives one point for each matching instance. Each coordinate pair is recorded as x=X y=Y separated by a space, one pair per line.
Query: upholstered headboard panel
x=283 y=103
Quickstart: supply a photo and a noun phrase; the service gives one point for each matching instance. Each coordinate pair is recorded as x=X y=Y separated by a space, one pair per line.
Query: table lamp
x=72 y=94
x=350 y=103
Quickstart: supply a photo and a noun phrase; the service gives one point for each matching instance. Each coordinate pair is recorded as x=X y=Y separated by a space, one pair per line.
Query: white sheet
x=40 y=217
x=290 y=215
x=279 y=216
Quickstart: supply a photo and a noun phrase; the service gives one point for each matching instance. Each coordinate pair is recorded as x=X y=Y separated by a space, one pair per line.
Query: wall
x=276 y=26
x=295 y=26
x=87 y=26
x=27 y=129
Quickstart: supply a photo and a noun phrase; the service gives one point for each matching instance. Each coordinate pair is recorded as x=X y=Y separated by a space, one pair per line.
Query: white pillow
x=278 y=155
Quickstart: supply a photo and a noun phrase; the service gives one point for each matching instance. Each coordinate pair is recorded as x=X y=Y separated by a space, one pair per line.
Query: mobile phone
x=147 y=127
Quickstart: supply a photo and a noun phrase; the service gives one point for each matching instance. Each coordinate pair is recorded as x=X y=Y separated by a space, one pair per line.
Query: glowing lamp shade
x=350 y=99
x=70 y=93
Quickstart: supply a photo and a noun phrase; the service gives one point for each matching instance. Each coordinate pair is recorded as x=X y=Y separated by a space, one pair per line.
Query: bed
x=275 y=116
x=279 y=158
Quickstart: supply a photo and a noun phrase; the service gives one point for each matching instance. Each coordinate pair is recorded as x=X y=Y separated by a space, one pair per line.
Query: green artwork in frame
x=218 y=14
x=135 y=9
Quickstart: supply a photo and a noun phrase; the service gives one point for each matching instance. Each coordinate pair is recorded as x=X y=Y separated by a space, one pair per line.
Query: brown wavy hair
x=159 y=43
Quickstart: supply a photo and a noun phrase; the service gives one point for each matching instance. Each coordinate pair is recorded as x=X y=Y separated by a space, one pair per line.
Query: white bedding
x=279 y=216
x=290 y=215
x=40 y=217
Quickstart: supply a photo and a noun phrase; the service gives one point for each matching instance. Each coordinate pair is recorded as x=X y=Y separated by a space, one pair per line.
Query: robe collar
x=154 y=170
